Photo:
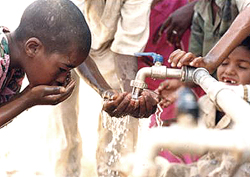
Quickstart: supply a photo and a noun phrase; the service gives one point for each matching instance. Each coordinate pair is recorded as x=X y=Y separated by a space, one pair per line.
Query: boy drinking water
x=51 y=39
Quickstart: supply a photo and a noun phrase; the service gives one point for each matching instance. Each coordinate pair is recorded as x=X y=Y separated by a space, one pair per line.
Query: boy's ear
x=32 y=46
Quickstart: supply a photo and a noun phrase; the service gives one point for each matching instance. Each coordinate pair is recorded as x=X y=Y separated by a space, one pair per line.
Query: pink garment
x=158 y=15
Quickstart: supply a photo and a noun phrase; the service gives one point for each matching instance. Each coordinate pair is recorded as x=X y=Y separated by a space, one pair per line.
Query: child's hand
x=168 y=91
x=48 y=95
x=179 y=58
x=121 y=104
x=114 y=102
x=148 y=101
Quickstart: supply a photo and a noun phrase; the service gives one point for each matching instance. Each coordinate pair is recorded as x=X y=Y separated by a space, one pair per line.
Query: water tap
x=157 y=71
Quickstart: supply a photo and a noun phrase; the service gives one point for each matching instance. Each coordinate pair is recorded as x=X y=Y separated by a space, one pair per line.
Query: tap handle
x=156 y=57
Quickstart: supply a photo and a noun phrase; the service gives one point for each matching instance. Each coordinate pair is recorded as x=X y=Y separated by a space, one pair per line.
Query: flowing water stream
x=119 y=129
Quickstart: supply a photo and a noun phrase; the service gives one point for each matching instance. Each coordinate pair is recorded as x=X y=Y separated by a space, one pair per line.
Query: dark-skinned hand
x=48 y=95
x=179 y=58
x=176 y=25
x=121 y=104
x=167 y=91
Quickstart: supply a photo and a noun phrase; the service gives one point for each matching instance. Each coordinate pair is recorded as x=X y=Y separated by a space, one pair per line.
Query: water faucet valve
x=156 y=57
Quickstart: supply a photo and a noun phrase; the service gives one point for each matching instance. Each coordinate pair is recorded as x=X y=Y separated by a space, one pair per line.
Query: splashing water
x=118 y=127
x=158 y=112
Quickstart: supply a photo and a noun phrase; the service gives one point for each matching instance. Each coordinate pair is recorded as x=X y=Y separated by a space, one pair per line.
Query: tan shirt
x=123 y=24
x=208 y=115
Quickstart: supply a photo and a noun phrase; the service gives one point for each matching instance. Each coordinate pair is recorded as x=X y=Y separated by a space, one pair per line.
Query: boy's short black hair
x=246 y=43
x=57 y=24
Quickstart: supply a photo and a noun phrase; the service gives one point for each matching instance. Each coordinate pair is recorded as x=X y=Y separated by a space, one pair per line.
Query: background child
x=234 y=70
x=50 y=16
x=48 y=43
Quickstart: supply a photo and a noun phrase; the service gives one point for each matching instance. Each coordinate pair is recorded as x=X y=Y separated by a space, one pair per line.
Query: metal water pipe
x=157 y=71
x=197 y=140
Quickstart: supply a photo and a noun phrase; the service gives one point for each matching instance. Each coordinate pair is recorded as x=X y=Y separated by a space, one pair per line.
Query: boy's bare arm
x=126 y=69
x=117 y=104
x=39 y=95
x=89 y=72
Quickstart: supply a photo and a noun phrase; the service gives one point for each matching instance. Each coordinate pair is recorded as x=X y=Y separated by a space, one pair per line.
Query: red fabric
x=158 y=15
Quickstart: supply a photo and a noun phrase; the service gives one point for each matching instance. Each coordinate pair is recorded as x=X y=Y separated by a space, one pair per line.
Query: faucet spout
x=158 y=71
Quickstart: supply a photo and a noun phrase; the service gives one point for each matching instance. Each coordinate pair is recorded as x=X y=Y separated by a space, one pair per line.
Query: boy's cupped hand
x=48 y=95
x=121 y=104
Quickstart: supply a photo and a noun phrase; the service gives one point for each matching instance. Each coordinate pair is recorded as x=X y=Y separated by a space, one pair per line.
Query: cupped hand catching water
x=122 y=104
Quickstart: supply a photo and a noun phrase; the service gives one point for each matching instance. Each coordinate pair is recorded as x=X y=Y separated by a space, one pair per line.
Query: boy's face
x=53 y=68
x=235 y=69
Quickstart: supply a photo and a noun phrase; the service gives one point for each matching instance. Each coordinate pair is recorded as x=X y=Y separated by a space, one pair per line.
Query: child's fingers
x=110 y=95
x=110 y=106
x=166 y=104
x=164 y=85
x=148 y=102
x=130 y=107
x=198 y=62
x=142 y=107
x=160 y=89
x=55 y=97
x=168 y=85
x=186 y=59
x=70 y=86
x=120 y=109
x=53 y=90
x=137 y=104
x=64 y=96
x=172 y=55
x=151 y=103
x=175 y=60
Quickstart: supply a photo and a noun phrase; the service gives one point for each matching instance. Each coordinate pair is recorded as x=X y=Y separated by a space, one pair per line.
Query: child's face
x=53 y=68
x=235 y=69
